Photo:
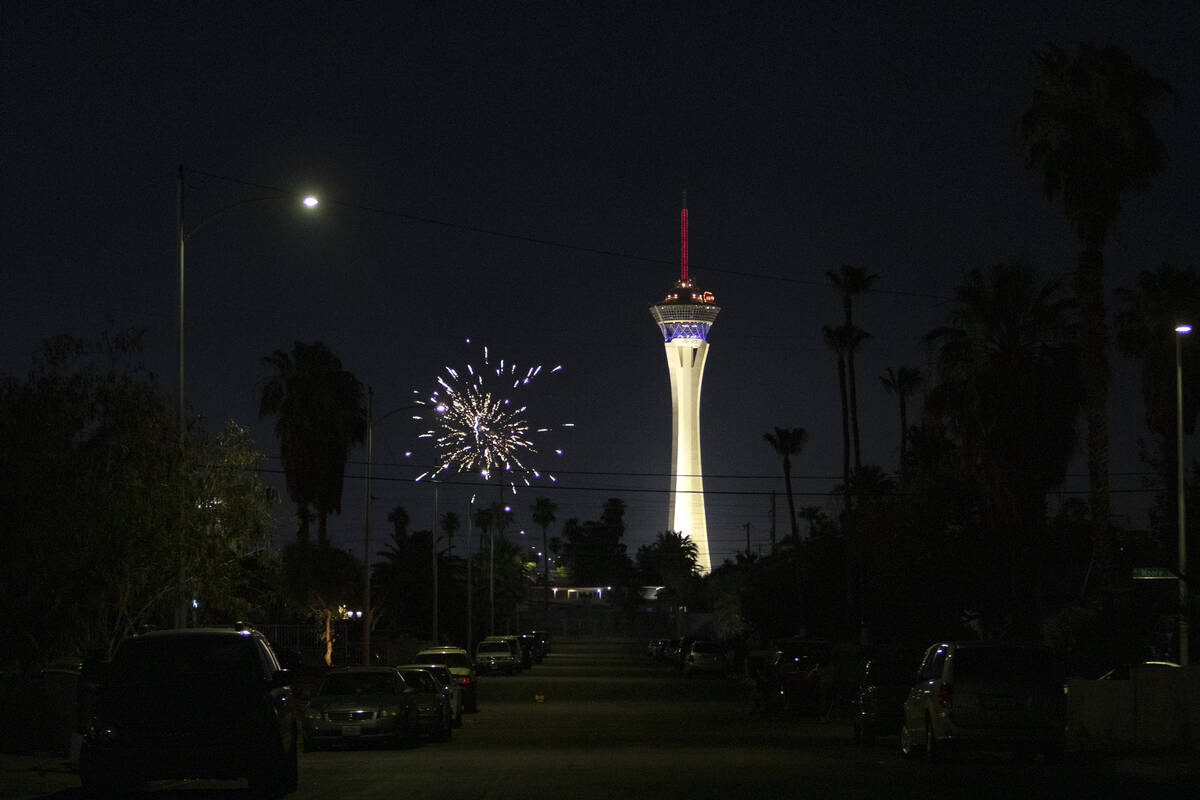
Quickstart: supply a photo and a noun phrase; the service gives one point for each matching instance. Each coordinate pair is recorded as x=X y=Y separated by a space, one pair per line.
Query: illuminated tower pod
x=684 y=317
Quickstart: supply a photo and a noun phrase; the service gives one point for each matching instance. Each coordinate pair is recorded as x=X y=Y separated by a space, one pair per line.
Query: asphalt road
x=600 y=720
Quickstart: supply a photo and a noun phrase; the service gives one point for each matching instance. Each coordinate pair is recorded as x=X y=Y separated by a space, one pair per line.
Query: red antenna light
x=683 y=244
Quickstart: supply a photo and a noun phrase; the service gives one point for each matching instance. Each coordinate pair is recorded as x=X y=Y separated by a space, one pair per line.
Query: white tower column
x=685 y=362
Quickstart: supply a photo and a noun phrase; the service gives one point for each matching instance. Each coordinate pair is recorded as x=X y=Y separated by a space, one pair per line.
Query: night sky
x=511 y=172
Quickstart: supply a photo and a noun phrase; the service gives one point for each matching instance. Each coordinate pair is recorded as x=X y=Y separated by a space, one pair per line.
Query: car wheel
x=98 y=782
x=407 y=737
x=933 y=749
x=907 y=746
x=271 y=780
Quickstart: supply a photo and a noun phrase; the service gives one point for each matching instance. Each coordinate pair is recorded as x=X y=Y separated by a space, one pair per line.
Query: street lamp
x=183 y=235
x=367 y=614
x=1181 y=331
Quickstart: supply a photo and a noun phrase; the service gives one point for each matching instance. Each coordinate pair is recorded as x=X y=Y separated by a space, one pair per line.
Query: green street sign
x=1152 y=574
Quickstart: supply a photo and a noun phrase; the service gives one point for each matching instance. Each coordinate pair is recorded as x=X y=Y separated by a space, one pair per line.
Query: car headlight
x=389 y=711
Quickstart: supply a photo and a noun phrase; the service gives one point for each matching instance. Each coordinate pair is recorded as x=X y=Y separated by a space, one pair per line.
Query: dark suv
x=196 y=703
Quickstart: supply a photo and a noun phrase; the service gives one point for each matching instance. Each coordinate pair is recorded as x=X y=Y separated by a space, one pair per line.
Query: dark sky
x=806 y=134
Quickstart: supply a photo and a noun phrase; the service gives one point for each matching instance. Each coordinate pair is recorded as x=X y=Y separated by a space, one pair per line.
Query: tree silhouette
x=320 y=415
x=1087 y=136
x=788 y=442
x=852 y=282
x=902 y=382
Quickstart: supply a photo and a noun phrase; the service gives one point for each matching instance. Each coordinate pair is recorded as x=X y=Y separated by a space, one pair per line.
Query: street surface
x=613 y=725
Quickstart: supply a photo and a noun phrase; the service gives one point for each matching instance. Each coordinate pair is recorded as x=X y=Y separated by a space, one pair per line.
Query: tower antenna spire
x=683 y=240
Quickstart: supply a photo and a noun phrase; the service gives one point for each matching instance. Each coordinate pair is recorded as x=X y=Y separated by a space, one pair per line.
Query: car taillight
x=946 y=695
x=465 y=680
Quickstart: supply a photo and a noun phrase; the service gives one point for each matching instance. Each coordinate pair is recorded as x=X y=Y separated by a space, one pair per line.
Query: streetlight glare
x=1185 y=328
x=311 y=201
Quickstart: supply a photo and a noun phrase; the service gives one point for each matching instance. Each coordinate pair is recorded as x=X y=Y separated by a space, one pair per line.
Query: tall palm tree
x=844 y=340
x=1008 y=395
x=902 y=382
x=852 y=282
x=450 y=524
x=543 y=516
x=321 y=414
x=1087 y=135
x=788 y=442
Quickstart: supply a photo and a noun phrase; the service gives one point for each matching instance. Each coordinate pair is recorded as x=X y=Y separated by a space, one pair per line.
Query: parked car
x=801 y=676
x=705 y=658
x=543 y=638
x=361 y=706
x=195 y=703
x=533 y=645
x=520 y=649
x=461 y=666
x=991 y=695
x=433 y=702
x=450 y=686
x=493 y=655
x=878 y=701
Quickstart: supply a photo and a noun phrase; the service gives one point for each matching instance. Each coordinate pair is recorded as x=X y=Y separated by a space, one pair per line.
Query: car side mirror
x=281 y=678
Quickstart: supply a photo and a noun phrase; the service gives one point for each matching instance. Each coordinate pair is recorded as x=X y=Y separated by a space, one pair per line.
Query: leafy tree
x=671 y=561
x=593 y=552
x=320 y=415
x=1088 y=137
x=788 y=442
x=852 y=282
x=106 y=507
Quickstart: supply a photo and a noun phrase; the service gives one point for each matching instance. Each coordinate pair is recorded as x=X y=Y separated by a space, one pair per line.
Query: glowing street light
x=184 y=234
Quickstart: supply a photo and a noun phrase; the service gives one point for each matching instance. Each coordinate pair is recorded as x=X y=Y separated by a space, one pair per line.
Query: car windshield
x=990 y=664
x=347 y=683
x=420 y=680
x=197 y=658
x=493 y=647
x=449 y=659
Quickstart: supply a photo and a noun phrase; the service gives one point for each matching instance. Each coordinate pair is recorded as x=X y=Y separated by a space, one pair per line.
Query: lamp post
x=367 y=614
x=183 y=234
x=1180 y=332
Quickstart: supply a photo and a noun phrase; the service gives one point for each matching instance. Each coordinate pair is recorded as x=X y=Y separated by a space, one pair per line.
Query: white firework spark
x=476 y=427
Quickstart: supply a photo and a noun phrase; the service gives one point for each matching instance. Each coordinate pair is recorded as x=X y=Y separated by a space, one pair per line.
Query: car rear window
x=997 y=664
x=449 y=659
x=194 y=657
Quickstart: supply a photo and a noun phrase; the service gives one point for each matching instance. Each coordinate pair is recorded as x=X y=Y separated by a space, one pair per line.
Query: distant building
x=685 y=316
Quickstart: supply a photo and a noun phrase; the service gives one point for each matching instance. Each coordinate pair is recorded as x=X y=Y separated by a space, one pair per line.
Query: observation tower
x=684 y=317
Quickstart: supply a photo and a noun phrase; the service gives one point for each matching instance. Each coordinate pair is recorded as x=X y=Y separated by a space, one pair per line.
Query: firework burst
x=476 y=427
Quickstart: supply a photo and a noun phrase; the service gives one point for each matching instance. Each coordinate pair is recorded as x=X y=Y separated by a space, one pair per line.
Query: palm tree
x=903 y=382
x=1087 y=136
x=844 y=340
x=1008 y=396
x=852 y=282
x=450 y=524
x=320 y=415
x=1146 y=318
x=787 y=443
x=543 y=515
